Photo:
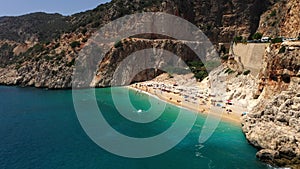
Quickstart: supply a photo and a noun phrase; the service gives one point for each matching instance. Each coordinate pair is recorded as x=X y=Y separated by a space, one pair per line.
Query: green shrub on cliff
x=257 y=36
x=201 y=70
x=273 y=13
x=118 y=44
x=282 y=50
x=201 y=75
x=6 y=54
x=75 y=44
x=84 y=40
x=84 y=31
x=229 y=71
x=286 y=78
x=96 y=24
x=38 y=48
x=276 y=40
x=194 y=65
x=70 y=64
x=237 y=39
x=247 y=72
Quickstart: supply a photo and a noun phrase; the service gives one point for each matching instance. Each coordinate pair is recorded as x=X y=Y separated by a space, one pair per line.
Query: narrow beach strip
x=178 y=100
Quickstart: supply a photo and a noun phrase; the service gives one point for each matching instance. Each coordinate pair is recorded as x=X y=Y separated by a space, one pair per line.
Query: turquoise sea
x=39 y=129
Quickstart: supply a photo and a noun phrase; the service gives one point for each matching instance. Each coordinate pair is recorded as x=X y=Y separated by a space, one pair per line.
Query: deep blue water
x=39 y=129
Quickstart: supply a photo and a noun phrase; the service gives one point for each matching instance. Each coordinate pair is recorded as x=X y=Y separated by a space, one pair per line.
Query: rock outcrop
x=221 y=20
x=280 y=69
x=40 y=75
x=273 y=125
x=162 y=54
x=281 y=20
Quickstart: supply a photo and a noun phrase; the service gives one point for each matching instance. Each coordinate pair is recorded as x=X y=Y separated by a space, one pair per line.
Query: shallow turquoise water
x=40 y=129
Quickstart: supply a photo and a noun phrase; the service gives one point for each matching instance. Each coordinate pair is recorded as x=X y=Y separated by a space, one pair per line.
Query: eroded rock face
x=282 y=19
x=161 y=53
x=220 y=20
x=40 y=75
x=280 y=68
x=273 y=125
x=275 y=130
x=45 y=75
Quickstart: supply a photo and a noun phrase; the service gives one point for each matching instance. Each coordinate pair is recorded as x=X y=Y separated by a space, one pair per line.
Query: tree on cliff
x=257 y=35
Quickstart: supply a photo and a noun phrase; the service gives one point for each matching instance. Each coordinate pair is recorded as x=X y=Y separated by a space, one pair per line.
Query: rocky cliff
x=281 y=20
x=40 y=48
x=156 y=55
x=273 y=125
x=221 y=20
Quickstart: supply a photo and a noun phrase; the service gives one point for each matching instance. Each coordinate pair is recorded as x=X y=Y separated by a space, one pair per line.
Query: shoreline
x=233 y=117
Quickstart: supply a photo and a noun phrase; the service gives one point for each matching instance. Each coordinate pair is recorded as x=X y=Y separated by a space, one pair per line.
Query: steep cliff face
x=42 y=47
x=282 y=19
x=280 y=69
x=160 y=55
x=273 y=125
x=222 y=20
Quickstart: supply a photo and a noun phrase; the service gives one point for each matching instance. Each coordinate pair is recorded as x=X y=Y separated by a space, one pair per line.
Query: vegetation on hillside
x=257 y=36
x=42 y=26
x=6 y=54
x=201 y=70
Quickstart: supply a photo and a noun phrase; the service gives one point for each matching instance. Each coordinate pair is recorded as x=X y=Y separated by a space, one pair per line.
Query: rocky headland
x=273 y=124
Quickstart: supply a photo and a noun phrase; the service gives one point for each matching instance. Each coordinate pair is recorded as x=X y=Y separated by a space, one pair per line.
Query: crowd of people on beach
x=180 y=94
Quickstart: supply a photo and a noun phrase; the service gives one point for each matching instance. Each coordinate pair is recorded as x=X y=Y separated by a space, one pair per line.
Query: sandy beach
x=184 y=91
